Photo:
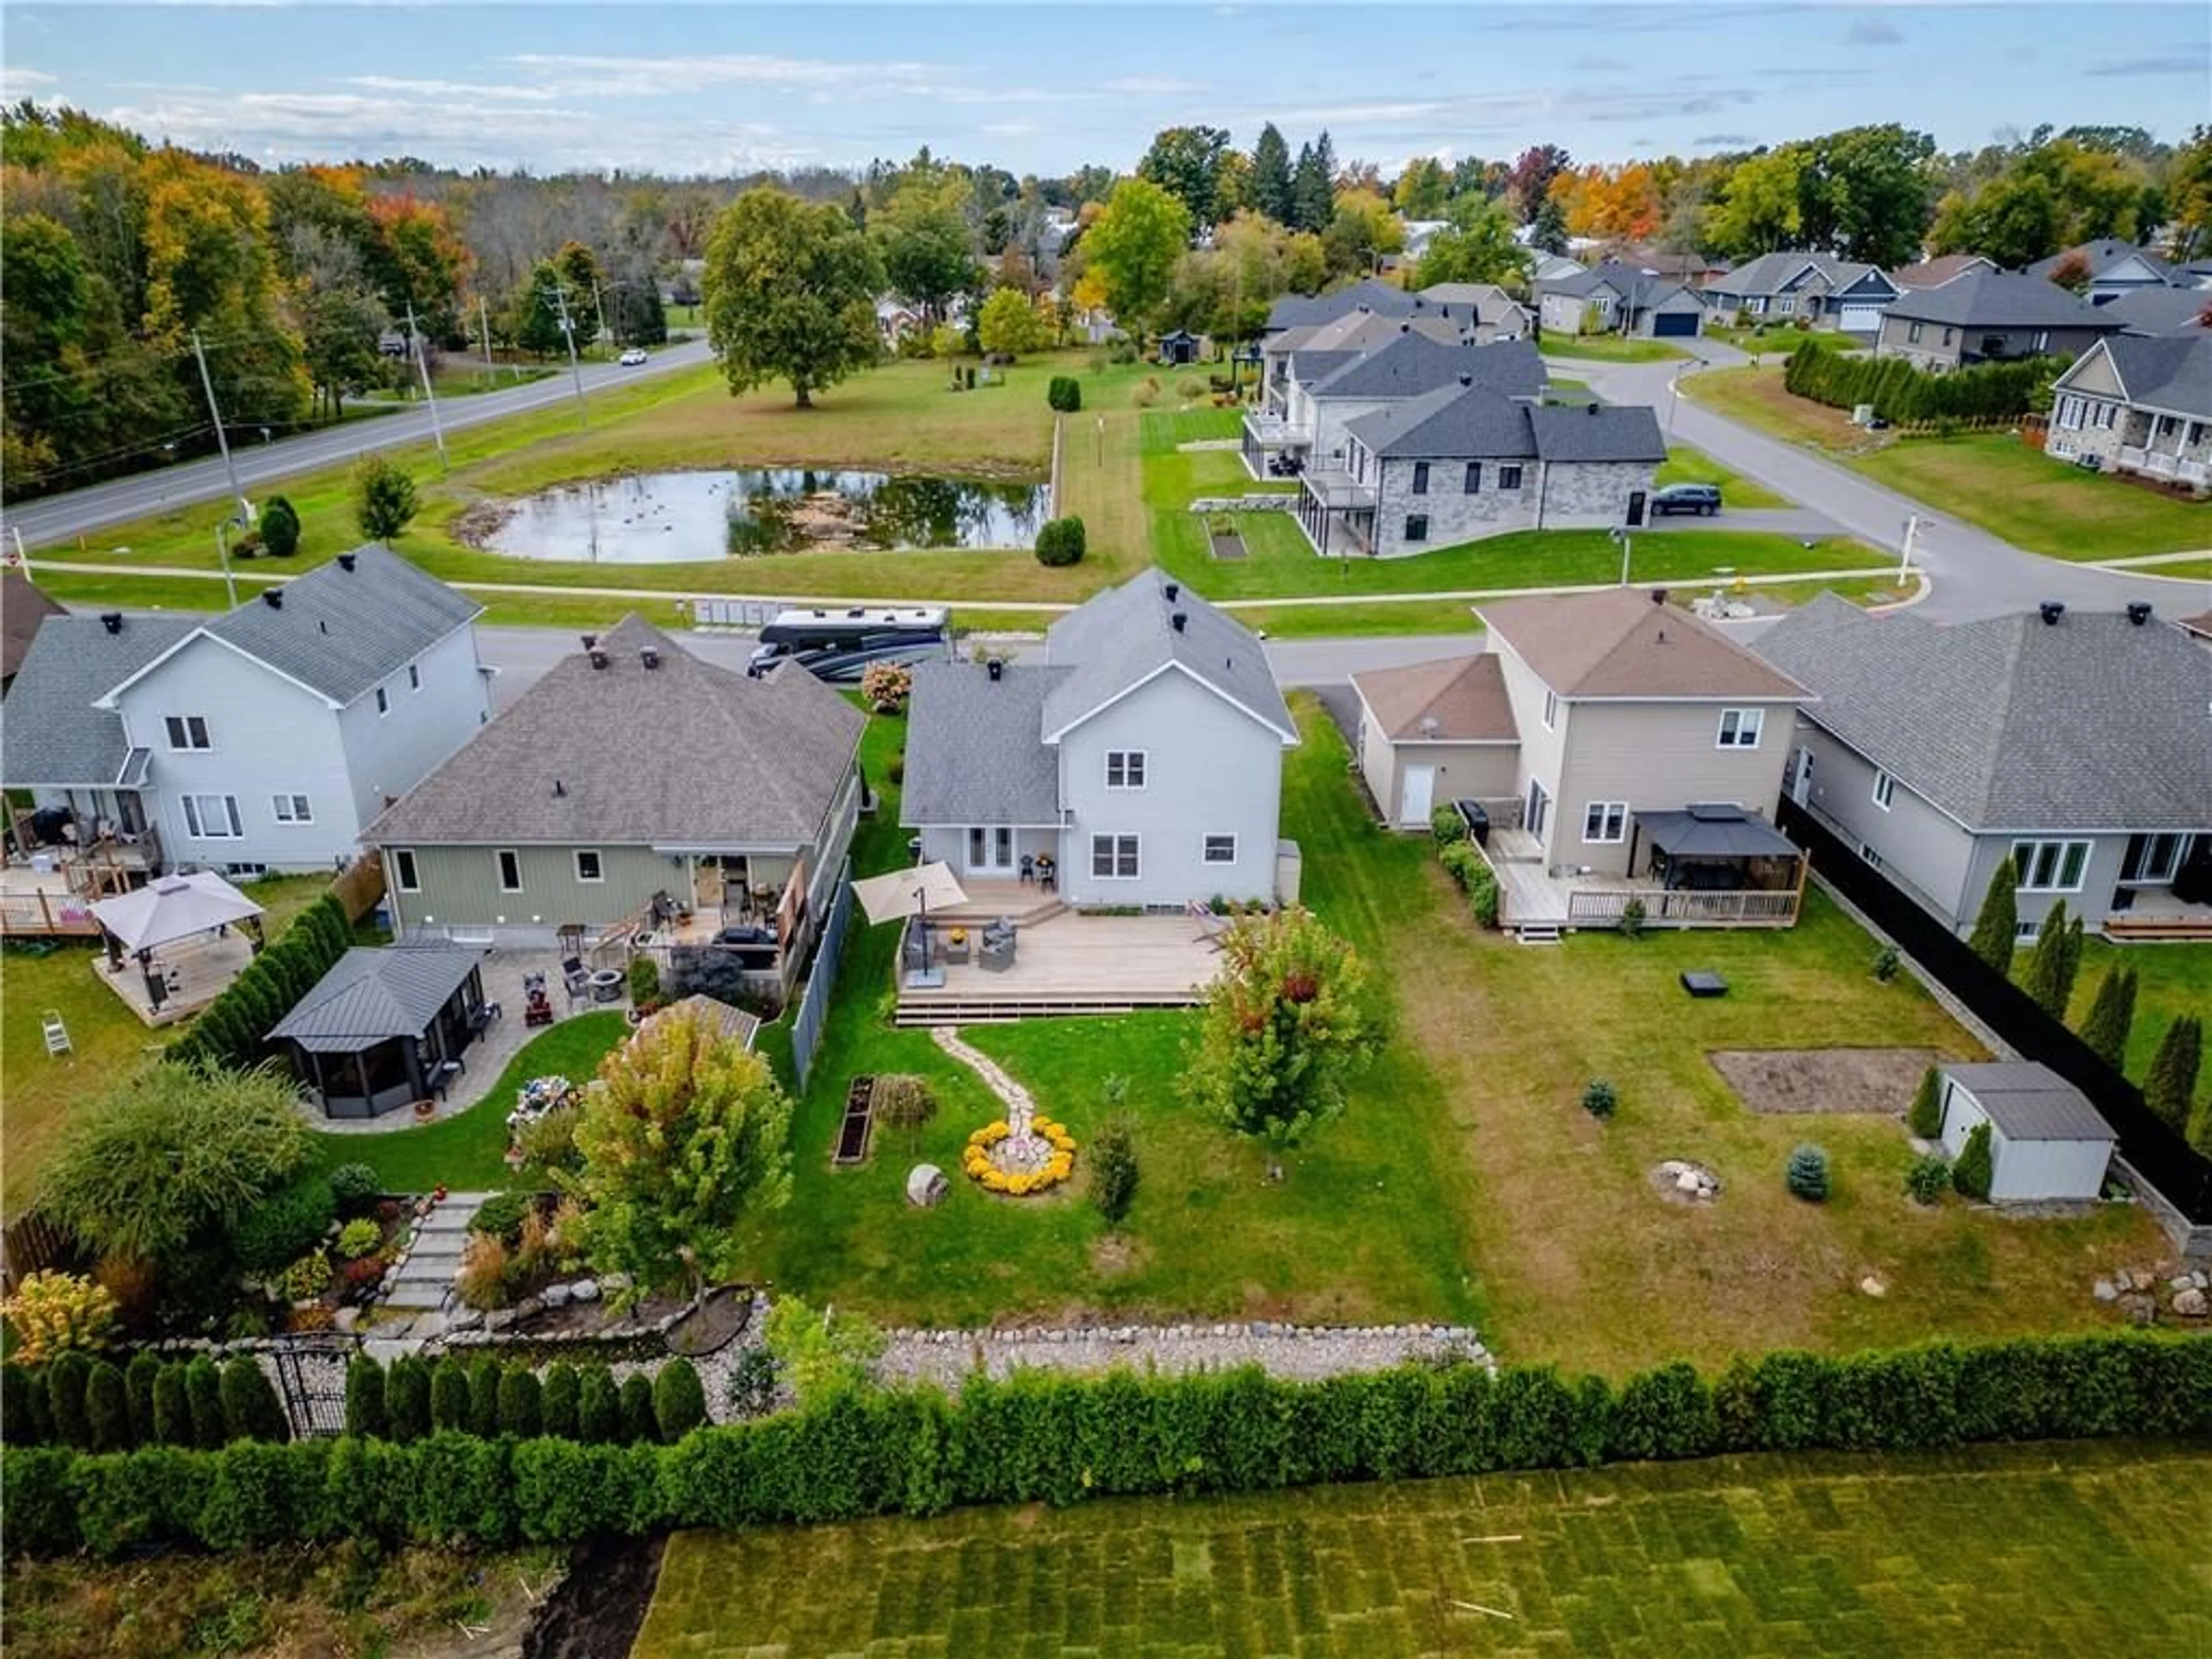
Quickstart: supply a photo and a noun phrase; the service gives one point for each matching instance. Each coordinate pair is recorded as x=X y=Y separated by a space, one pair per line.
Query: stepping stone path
x=422 y=1284
x=1022 y=1151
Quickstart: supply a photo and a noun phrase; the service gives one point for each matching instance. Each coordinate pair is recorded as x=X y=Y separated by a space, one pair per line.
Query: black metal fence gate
x=311 y=1382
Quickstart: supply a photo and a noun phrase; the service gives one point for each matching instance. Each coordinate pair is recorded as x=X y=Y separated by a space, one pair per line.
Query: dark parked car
x=1702 y=499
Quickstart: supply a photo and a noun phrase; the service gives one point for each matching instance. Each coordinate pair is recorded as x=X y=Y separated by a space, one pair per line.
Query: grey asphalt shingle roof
x=975 y=750
x=1475 y=422
x=1640 y=290
x=1598 y=432
x=2160 y=310
x=1125 y=635
x=1769 y=272
x=1413 y=364
x=375 y=992
x=1304 y=310
x=49 y=733
x=2009 y=724
x=2029 y=1102
x=2173 y=374
x=22 y=608
x=688 y=754
x=341 y=631
x=2101 y=256
x=1999 y=299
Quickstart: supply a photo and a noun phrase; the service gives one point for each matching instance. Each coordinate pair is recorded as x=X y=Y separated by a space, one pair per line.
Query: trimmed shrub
x=307 y=1277
x=138 y=1384
x=1928 y=1177
x=679 y=1400
x=484 y=1373
x=1996 y=924
x=449 y=1395
x=1447 y=826
x=1669 y=1413
x=24 y=1412
x=67 y=1375
x=1976 y=1168
x=280 y=528
x=1114 y=1174
x=637 y=1421
x=501 y=1215
x=2111 y=1016
x=1060 y=542
x=284 y=1226
x=1064 y=392
x=599 y=1406
x=1887 y=963
x=1899 y=391
x=54 y=1313
x=407 y=1386
x=1633 y=915
x=107 y=1407
x=559 y=1403
x=172 y=1408
x=364 y=1398
x=1925 y=1120
x=1807 y=1175
x=203 y=1399
x=355 y=1187
x=644 y=980
x=358 y=1237
x=2170 y=1085
x=1600 y=1098
x=250 y=1410
x=521 y=1407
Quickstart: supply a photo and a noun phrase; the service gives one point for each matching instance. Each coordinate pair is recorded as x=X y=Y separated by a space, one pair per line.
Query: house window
x=2050 y=866
x=1509 y=478
x=1417 y=527
x=2195 y=433
x=510 y=870
x=188 y=732
x=403 y=870
x=2070 y=412
x=1740 y=727
x=1789 y=304
x=1605 y=821
x=1473 y=483
x=1550 y=709
x=1125 y=768
x=588 y=868
x=2042 y=339
x=293 y=809
x=414 y=677
x=2154 y=859
x=2105 y=414
x=383 y=703
x=1221 y=849
x=1912 y=335
x=1420 y=477
x=212 y=817
x=1114 y=858
x=1885 y=790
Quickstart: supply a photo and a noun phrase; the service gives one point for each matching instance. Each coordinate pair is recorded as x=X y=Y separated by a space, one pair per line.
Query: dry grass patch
x=1877 y=1081
x=1757 y=398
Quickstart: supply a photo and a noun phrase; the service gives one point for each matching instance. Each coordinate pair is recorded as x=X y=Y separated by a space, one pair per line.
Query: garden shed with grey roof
x=386 y=1026
x=2046 y=1141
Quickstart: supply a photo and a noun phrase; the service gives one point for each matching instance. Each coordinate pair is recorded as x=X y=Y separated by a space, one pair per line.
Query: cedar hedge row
x=231 y=1031
x=1899 y=391
x=1039 y=1437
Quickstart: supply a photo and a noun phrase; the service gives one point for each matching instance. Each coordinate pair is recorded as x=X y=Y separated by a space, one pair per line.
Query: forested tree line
x=298 y=280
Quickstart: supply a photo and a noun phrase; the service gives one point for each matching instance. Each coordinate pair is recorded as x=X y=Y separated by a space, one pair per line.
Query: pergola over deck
x=386 y=1026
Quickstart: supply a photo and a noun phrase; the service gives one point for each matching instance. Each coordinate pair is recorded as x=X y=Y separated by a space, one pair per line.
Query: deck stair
x=1538 y=933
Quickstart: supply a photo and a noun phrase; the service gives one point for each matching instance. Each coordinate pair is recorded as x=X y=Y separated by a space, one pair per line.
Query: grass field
x=1687 y=466
x=106 y=1038
x=2171 y=981
x=1771 y=341
x=1988 y=478
x=1608 y=349
x=2087 y=1549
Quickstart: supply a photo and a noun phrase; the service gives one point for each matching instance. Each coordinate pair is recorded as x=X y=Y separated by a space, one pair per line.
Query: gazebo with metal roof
x=386 y=1026
x=1715 y=845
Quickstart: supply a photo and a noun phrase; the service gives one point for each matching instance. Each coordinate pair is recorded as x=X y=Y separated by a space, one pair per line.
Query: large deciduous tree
x=1758 y=209
x=790 y=290
x=1530 y=180
x=1480 y=247
x=1291 y=1018
x=923 y=236
x=1423 y=190
x=1186 y=162
x=1008 y=324
x=1865 y=192
x=1133 y=248
x=687 y=1138
x=1361 y=230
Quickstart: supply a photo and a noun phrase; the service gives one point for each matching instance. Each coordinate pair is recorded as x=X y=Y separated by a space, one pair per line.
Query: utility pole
x=222 y=442
x=1620 y=534
x=423 y=366
x=483 y=321
x=222 y=552
x=575 y=369
x=600 y=306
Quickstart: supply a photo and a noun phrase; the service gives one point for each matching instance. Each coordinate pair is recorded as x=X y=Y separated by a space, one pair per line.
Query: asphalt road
x=1975 y=574
x=522 y=654
x=62 y=518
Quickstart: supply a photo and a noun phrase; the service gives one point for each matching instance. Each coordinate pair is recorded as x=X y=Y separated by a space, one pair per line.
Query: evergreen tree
x=250 y=1410
x=2170 y=1087
x=407 y=1399
x=1548 y=228
x=559 y=1401
x=599 y=1406
x=2049 y=978
x=204 y=1400
x=172 y=1408
x=520 y=1403
x=639 y=1424
x=449 y=1395
x=2111 y=1017
x=1971 y=1174
x=679 y=1400
x=483 y=1396
x=107 y=1407
x=364 y=1398
x=1313 y=187
x=1998 y=925
x=1271 y=176
x=139 y=1378
x=67 y=1375
x=1926 y=1118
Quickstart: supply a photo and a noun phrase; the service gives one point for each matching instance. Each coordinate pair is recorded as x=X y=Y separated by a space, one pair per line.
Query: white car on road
x=633 y=357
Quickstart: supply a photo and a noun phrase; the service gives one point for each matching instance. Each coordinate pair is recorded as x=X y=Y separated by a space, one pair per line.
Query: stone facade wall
x=1575 y=495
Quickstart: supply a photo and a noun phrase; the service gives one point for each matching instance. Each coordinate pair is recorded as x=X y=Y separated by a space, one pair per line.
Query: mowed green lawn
x=2090 y=1549
x=1687 y=465
x=1608 y=349
x=2171 y=981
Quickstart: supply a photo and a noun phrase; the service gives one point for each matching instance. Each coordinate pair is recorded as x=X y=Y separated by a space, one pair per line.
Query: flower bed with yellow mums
x=1016 y=1165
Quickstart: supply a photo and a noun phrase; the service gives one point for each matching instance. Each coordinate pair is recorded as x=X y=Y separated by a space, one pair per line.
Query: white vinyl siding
x=1885 y=790
x=1740 y=727
x=1114 y=858
x=1220 y=849
x=213 y=817
x=1125 y=768
x=1605 y=821
x=2050 y=866
x=292 y=809
x=187 y=732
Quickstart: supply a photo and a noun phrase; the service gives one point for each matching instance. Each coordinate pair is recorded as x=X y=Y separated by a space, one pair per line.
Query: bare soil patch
x=597 y=1611
x=1823 y=1080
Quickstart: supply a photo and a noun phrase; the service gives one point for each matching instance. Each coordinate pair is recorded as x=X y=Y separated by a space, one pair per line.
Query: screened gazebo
x=1715 y=847
x=386 y=1026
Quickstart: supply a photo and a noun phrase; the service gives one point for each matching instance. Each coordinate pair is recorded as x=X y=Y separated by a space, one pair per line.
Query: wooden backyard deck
x=1074 y=964
x=1529 y=896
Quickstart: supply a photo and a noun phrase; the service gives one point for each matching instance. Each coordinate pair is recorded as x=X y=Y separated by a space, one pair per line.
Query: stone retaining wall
x=1281 y=500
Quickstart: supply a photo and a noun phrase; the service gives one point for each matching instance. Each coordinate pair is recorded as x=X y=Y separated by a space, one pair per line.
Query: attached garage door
x=1673 y=323
x=1860 y=319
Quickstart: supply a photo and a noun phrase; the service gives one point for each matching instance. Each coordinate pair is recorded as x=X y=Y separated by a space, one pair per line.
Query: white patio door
x=1800 y=781
x=1420 y=794
x=1540 y=809
x=990 y=850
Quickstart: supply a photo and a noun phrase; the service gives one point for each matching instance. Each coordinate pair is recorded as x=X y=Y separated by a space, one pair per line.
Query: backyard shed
x=386 y=1026
x=1178 y=347
x=2046 y=1140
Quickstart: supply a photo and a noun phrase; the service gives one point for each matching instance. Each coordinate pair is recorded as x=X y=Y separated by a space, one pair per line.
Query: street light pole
x=1905 y=555
x=222 y=553
x=1627 y=542
x=221 y=441
x=423 y=364
x=575 y=369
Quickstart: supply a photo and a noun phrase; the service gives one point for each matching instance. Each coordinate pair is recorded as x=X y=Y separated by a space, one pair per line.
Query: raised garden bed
x=860 y=1119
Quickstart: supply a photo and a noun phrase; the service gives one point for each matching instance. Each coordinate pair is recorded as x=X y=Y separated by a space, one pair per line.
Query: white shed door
x=1420 y=794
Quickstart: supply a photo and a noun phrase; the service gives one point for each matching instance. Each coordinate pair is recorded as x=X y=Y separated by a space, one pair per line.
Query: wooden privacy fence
x=813 y=1013
x=31 y=1244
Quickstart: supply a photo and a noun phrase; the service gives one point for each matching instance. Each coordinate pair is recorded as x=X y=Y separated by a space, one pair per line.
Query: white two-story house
x=1141 y=754
x=263 y=739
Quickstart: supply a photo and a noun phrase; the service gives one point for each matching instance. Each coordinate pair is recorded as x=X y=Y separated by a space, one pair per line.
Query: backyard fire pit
x=607 y=985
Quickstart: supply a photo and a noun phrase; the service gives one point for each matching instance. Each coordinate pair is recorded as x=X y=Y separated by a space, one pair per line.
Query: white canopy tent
x=171 y=907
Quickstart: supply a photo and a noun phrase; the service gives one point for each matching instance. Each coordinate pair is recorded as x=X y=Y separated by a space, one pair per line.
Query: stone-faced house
x=1463 y=462
x=1326 y=391
x=2138 y=405
x=1618 y=298
x=1825 y=291
x=1988 y=316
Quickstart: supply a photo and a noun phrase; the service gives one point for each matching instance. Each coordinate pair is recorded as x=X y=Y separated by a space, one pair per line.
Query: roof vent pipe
x=1466 y=378
x=647 y=655
x=599 y=659
x=273 y=598
x=2052 y=610
x=1179 y=621
x=996 y=668
x=2139 y=612
x=346 y=561
x=1171 y=590
x=559 y=789
x=111 y=621
x=591 y=641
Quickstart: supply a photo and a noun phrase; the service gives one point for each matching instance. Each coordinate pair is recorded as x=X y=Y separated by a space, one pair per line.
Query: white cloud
x=16 y=84
x=1010 y=129
x=1151 y=86
x=608 y=75
x=401 y=83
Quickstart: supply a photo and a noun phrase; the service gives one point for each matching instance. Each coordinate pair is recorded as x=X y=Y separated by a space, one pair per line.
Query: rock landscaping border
x=1279 y=501
x=1309 y=1353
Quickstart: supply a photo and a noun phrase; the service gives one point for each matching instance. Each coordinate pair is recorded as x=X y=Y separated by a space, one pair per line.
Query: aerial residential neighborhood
x=998 y=831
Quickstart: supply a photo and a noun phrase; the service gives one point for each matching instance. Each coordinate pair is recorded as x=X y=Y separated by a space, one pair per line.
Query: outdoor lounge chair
x=996 y=954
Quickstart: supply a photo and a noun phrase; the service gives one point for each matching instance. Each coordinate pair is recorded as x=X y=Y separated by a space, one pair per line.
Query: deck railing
x=1588 y=906
x=46 y=916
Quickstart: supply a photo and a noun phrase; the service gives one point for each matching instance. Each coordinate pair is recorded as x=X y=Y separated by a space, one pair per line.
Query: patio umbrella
x=908 y=892
x=172 y=908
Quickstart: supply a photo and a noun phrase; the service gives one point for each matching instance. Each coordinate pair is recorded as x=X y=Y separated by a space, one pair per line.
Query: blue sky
x=1042 y=88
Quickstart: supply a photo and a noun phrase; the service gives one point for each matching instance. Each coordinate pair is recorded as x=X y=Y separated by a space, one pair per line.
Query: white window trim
x=383 y=703
x=293 y=809
x=1142 y=769
x=577 y=856
x=406 y=874
x=1115 y=838
x=196 y=820
x=499 y=858
x=1885 y=789
x=2058 y=863
x=1754 y=720
x=1206 y=849
x=414 y=677
x=1615 y=812
x=186 y=722
x=1550 y=709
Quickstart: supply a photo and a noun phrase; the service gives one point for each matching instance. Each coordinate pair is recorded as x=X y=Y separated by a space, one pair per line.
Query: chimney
x=996 y=668
x=273 y=598
x=2139 y=612
x=1179 y=621
x=598 y=658
x=111 y=621
x=1172 y=590
x=346 y=561
x=2052 y=610
x=647 y=655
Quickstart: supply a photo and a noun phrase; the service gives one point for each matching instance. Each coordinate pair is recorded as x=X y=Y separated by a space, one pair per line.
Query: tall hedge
x=1899 y=391
x=1041 y=1436
x=230 y=1031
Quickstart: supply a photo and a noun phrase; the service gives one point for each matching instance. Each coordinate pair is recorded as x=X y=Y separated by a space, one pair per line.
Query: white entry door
x=1800 y=782
x=990 y=850
x=1420 y=794
x=1540 y=809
